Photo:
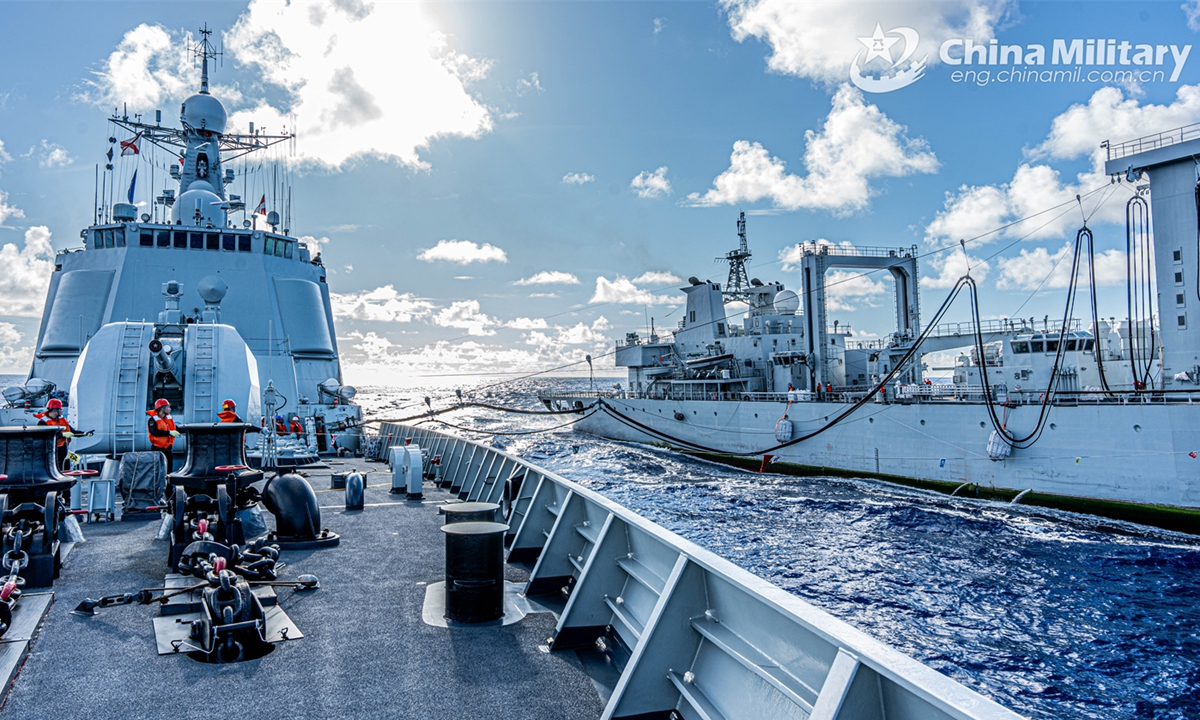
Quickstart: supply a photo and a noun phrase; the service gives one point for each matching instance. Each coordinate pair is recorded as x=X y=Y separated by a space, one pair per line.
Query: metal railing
x=1002 y=325
x=700 y=637
x=1152 y=142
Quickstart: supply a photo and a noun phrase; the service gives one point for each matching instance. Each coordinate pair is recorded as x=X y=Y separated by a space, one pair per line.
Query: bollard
x=470 y=512
x=474 y=571
x=354 y=492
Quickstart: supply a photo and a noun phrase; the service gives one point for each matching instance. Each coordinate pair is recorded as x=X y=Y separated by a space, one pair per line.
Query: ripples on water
x=1052 y=614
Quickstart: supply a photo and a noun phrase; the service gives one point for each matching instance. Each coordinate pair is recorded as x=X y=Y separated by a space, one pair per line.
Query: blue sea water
x=1053 y=614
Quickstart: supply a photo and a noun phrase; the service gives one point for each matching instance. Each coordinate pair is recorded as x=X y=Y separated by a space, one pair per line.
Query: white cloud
x=549 y=277
x=543 y=295
x=348 y=268
x=661 y=22
x=383 y=304
x=623 y=291
x=14 y=358
x=374 y=346
x=660 y=277
x=324 y=57
x=577 y=178
x=578 y=334
x=857 y=143
x=54 y=155
x=524 y=323
x=1026 y=270
x=818 y=40
x=1191 y=9
x=531 y=85
x=147 y=67
x=651 y=184
x=465 y=315
x=1111 y=114
x=7 y=211
x=27 y=272
x=449 y=358
x=4 y=156
x=845 y=290
x=952 y=265
x=463 y=252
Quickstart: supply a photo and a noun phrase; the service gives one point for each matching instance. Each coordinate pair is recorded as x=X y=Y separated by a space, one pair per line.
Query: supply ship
x=183 y=304
x=1081 y=413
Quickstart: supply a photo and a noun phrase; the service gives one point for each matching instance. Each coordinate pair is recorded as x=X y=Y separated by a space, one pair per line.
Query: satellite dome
x=202 y=185
x=204 y=112
x=786 y=302
x=212 y=289
x=208 y=203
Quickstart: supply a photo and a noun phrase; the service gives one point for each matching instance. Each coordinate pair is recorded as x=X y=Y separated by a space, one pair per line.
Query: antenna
x=203 y=51
x=737 y=287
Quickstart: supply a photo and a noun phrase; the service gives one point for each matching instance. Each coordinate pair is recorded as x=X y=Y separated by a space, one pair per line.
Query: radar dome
x=208 y=205
x=204 y=112
x=786 y=302
x=212 y=289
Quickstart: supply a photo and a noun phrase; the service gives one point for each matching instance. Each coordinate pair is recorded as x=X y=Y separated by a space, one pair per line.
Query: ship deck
x=365 y=652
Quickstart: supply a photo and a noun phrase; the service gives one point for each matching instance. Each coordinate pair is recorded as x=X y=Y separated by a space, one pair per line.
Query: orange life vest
x=60 y=422
x=296 y=428
x=228 y=416
x=166 y=424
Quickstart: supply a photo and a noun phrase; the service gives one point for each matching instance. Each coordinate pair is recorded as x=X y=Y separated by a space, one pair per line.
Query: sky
x=503 y=187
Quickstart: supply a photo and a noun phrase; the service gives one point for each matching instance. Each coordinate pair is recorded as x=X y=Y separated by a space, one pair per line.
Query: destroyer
x=191 y=309
x=1097 y=416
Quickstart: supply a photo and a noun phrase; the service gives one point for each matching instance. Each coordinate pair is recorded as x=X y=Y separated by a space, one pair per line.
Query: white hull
x=1135 y=453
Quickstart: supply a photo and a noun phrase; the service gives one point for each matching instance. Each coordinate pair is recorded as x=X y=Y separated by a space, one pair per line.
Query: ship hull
x=1136 y=454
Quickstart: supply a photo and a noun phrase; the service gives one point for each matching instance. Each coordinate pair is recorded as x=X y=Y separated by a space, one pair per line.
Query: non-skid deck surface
x=365 y=652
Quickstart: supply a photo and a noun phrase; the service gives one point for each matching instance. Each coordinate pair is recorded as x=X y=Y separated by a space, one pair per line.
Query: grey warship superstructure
x=191 y=308
x=1089 y=413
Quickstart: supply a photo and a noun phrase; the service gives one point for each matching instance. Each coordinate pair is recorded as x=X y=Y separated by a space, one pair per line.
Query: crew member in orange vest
x=280 y=426
x=54 y=416
x=161 y=429
x=228 y=412
x=296 y=427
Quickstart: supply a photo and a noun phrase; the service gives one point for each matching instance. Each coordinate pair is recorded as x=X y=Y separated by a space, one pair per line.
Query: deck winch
x=220 y=606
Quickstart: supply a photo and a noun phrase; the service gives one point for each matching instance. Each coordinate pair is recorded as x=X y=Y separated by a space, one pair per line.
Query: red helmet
x=161 y=403
x=54 y=404
x=229 y=405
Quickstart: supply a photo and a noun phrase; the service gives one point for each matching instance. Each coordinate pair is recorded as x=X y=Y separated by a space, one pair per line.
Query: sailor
x=54 y=416
x=296 y=427
x=228 y=412
x=281 y=428
x=161 y=428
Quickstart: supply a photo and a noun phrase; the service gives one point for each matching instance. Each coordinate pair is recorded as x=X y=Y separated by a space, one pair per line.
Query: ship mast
x=737 y=287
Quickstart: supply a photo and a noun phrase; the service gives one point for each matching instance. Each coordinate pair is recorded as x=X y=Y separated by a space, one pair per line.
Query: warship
x=477 y=584
x=189 y=307
x=1090 y=414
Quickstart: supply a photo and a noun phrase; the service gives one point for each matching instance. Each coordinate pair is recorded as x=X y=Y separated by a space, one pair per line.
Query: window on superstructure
x=228 y=242
x=98 y=239
x=146 y=238
x=280 y=244
x=1182 y=319
x=163 y=238
x=268 y=245
x=1071 y=345
x=1087 y=345
x=1178 y=278
x=243 y=243
x=287 y=249
x=1051 y=346
x=1037 y=346
x=1020 y=347
x=119 y=234
x=108 y=238
x=180 y=239
x=1179 y=299
x=197 y=240
x=1177 y=256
